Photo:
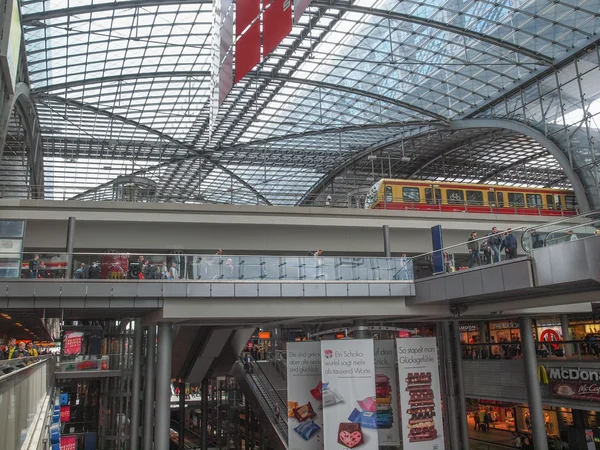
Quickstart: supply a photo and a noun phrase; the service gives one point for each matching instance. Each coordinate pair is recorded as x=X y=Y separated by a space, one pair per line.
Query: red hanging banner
x=247 y=51
x=68 y=443
x=65 y=414
x=72 y=342
x=245 y=12
x=277 y=24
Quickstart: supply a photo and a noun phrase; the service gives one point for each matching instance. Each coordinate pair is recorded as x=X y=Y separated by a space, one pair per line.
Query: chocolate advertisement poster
x=386 y=393
x=420 y=402
x=305 y=394
x=349 y=397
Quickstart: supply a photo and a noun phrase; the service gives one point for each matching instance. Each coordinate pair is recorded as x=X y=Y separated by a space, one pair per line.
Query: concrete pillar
x=452 y=410
x=163 y=386
x=386 y=241
x=136 y=386
x=460 y=387
x=70 y=246
x=534 y=395
x=149 y=387
x=181 y=416
x=361 y=330
x=564 y=324
x=204 y=417
x=483 y=338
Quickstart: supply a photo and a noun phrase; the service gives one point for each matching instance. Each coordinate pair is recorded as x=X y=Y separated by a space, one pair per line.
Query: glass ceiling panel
x=133 y=84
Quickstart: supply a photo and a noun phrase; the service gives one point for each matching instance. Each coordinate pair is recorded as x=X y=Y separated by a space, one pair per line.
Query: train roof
x=479 y=185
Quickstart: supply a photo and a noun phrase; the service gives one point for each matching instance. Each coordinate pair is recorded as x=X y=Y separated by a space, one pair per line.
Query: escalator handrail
x=526 y=232
x=278 y=422
x=257 y=366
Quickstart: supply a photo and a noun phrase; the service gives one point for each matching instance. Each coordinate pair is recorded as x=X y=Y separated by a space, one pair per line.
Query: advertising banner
x=304 y=388
x=349 y=398
x=386 y=390
x=65 y=414
x=72 y=342
x=420 y=402
x=277 y=25
x=68 y=443
x=577 y=390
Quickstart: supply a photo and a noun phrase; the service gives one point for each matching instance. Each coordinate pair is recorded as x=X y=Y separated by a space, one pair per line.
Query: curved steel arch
x=160 y=134
x=547 y=143
x=22 y=97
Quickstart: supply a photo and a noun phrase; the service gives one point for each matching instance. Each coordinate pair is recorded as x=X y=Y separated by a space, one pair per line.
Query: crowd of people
x=20 y=350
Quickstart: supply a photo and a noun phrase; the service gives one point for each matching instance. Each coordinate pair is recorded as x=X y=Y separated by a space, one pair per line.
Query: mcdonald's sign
x=542 y=374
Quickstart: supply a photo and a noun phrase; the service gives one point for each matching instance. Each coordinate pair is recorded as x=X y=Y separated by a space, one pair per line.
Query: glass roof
x=123 y=87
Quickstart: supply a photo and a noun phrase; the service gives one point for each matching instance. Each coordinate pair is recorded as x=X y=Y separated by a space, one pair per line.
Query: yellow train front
x=471 y=198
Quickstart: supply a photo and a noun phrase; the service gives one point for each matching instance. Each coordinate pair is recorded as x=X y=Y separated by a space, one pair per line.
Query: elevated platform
x=242 y=229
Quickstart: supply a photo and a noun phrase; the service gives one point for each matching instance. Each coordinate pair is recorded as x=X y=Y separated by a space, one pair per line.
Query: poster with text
x=72 y=342
x=304 y=389
x=420 y=401
x=386 y=391
x=349 y=398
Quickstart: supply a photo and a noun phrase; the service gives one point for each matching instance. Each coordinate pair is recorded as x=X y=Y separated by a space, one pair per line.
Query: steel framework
x=359 y=90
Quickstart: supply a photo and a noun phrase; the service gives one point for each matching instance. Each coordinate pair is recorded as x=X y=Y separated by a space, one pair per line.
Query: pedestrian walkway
x=492 y=436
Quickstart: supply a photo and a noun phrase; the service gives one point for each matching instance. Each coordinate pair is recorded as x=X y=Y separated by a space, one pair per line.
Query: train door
x=433 y=196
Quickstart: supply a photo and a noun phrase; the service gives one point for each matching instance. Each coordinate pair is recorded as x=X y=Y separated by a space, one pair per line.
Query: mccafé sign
x=574 y=383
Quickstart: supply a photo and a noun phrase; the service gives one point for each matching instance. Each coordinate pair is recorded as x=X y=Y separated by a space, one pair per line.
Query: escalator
x=266 y=402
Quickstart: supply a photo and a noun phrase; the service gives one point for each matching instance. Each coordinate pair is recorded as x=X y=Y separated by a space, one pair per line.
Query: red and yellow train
x=472 y=198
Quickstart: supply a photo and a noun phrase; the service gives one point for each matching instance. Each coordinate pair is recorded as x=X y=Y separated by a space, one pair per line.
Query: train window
x=389 y=197
x=534 y=201
x=475 y=198
x=411 y=194
x=492 y=198
x=517 y=200
x=550 y=201
x=500 y=199
x=570 y=201
x=429 y=196
x=455 y=197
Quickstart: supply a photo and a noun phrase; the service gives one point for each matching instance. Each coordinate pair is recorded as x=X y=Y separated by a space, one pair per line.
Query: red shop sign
x=72 y=342
x=68 y=443
x=65 y=414
x=577 y=390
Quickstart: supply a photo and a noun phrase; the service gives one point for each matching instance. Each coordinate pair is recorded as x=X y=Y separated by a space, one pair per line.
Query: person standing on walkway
x=494 y=241
x=473 y=247
x=510 y=244
x=572 y=236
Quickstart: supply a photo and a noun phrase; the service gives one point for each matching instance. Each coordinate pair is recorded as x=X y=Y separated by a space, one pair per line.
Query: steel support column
x=361 y=330
x=136 y=388
x=204 y=416
x=163 y=386
x=181 y=416
x=460 y=387
x=564 y=324
x=246 y=426
x=149 y=387
x=454 y=430
x=386 y=241
x=534 y=395
x=69 y=247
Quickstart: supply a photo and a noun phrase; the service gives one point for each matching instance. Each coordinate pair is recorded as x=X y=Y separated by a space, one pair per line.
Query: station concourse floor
x=492 y=436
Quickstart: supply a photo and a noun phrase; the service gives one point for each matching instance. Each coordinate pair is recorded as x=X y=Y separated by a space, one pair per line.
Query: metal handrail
x=527 y=231
x=18 y=364
x=280 y=423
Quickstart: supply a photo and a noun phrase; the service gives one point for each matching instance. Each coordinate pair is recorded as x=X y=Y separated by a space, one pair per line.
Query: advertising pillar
x=420 y=402
x=305 y=393
x=349 y=397
x=386 y=390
